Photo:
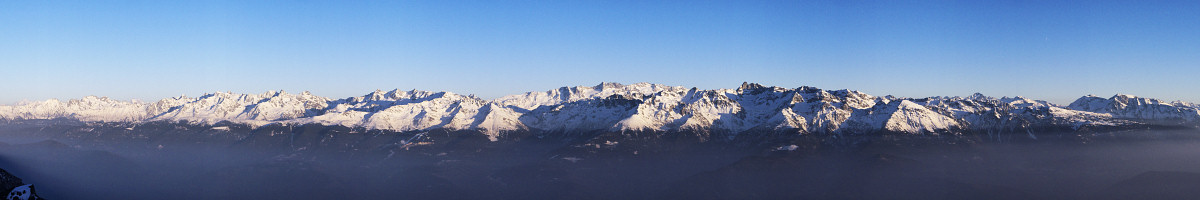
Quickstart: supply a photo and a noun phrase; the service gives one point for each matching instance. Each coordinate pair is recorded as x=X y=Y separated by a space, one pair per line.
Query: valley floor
x=74 y=162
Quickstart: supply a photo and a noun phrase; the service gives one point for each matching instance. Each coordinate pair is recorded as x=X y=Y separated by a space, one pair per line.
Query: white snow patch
x=787 y=148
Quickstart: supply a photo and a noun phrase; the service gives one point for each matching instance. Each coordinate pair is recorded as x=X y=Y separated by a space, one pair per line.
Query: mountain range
x=635 y=107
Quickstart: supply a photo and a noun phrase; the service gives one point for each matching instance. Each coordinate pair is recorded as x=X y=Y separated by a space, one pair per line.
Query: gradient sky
x=148 y=50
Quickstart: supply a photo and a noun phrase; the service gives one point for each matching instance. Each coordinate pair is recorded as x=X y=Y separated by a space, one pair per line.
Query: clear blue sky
x=1053 y=50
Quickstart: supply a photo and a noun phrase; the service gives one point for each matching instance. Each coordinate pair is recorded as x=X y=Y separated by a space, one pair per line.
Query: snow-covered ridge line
x=618 y=107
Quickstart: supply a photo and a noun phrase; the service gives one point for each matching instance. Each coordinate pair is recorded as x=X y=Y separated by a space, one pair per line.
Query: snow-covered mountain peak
x=399 y=96
x=1134 y=107
x=1184 y=104
x=1020 y=101
x=979 y=96
x=750 y=86
x=1124 y=96
x=89 y=108
x=607 y=85
x=908 y=117
x=533 y=100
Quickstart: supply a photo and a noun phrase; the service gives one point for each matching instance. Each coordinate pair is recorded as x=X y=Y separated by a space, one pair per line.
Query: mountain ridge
x=633 y=107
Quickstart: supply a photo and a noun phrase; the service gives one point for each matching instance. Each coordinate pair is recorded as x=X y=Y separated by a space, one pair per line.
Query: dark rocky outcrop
x=8 y=182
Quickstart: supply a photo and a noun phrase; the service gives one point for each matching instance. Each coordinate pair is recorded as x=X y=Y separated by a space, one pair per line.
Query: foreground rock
x=17 y=190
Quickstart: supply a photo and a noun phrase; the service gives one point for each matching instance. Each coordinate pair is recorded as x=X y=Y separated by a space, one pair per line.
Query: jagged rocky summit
x=636 y=107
